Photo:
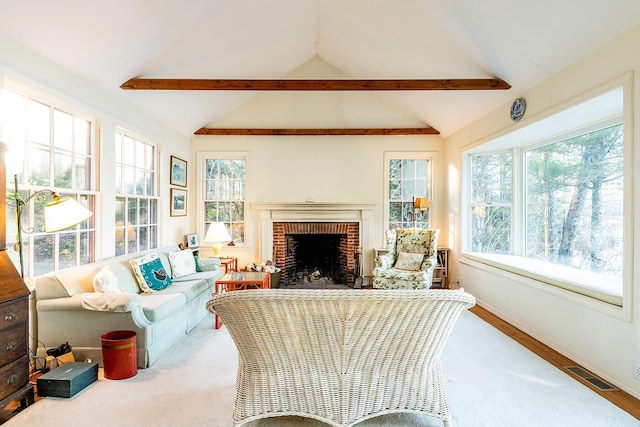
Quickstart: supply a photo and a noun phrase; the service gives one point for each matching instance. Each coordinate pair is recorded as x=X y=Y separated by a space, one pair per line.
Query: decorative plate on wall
x=517 y=109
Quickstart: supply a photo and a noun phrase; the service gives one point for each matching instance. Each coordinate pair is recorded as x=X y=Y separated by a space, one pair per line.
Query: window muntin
x=225 y=195
x=136 y=204
x=51 y=147
x=408 y=177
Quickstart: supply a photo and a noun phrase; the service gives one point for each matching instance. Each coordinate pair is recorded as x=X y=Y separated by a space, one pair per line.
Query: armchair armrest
x=384 y=261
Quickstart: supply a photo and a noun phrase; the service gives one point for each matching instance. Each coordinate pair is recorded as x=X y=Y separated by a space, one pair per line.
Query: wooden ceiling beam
x=316 y=132
x=314 y=85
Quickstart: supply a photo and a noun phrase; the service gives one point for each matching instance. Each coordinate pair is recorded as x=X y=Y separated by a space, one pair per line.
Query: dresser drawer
x=13 y=313
x=14 y=376
x=13 y=343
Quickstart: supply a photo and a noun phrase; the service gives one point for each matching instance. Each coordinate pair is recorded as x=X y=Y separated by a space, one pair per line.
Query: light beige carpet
x=490 y=380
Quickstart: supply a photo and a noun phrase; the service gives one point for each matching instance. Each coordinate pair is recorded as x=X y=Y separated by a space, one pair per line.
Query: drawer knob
x=11 y=345
x=11 y=379
x=10 y=317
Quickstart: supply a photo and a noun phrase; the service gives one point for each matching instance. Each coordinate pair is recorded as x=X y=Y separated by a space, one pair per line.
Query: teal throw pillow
x=198 y=269
x=150 y=273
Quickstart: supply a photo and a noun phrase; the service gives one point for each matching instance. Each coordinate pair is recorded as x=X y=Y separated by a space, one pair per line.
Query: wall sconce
x=59 y=214
x=217 y=234
x=420 y=204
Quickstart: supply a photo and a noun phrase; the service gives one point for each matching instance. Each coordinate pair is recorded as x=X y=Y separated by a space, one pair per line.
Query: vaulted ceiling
x=520 y=41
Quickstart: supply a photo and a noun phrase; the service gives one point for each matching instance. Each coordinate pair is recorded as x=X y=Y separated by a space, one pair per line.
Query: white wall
x=17 y=63
x=327 y=169
x=603 y=343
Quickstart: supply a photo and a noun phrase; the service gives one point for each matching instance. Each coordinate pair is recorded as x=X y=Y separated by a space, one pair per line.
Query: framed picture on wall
x=178 y=202
x=178 y=172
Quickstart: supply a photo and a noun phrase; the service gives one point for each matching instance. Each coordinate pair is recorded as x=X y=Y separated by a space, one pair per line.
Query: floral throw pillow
x=409 y=261
x=150 y=273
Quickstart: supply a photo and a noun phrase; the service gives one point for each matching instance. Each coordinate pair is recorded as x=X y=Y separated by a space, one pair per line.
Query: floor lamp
x=59 y=214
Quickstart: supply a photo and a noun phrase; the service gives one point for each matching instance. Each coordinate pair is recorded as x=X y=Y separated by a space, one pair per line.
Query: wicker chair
x=420 y=242
x=339 y=356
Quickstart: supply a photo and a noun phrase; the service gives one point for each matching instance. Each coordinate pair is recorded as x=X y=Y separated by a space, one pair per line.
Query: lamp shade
x=217 y=233
x=64 y=212
x=421 y=203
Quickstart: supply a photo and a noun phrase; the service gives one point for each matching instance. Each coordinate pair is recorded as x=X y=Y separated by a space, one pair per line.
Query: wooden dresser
x=14 y=336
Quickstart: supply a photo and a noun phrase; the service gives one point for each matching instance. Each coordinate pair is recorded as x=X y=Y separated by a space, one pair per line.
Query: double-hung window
x=408 y=176
x=224 y=192
x=547 y=201
x=136 y=205
x=51 y=147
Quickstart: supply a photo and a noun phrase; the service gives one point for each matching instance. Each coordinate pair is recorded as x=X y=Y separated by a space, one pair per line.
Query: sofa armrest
x=209 y=264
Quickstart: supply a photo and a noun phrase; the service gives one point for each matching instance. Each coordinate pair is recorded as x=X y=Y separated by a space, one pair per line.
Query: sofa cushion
x=151 y=273
x=182 y=263
x=107 y=282
x=189 y=288
x=157 y=306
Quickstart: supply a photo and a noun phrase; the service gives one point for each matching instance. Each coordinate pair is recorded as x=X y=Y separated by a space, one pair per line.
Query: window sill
x=599 y=287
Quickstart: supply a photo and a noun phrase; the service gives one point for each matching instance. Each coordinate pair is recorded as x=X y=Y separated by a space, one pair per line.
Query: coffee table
x=236 y=281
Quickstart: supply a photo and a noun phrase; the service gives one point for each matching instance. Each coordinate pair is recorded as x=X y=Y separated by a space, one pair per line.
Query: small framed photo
x=178 y=172
x=192 y=240
x=178 y=202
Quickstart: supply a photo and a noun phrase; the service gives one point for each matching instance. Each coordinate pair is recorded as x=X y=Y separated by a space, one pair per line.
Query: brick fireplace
x=353 y=222
x=327 y=247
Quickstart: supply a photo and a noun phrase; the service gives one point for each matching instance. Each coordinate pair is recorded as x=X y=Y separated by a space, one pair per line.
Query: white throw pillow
x=409 y=261
x=107 y=282
x=182 y=263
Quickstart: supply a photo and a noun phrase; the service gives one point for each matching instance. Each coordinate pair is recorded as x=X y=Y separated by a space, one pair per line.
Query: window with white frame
x=408 y=176
x=553 y=202
x=51 y=146
x=136 y=205
x=224 y=193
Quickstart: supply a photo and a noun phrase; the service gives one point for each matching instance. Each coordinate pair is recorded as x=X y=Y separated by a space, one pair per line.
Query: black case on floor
x=68 y=379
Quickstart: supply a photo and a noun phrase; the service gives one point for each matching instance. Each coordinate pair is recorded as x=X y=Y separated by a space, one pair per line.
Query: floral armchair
x=410 y=259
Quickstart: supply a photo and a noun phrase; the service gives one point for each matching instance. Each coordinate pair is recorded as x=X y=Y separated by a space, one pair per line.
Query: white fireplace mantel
x=315 y=212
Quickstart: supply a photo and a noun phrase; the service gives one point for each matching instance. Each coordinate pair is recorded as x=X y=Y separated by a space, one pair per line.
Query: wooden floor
x=619 y=398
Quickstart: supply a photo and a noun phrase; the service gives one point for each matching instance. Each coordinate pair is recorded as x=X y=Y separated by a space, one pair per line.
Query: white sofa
x=69 y=310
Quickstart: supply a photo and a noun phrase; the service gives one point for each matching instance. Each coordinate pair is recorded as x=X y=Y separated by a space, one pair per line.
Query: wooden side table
x=235 y=281
x=230 y=264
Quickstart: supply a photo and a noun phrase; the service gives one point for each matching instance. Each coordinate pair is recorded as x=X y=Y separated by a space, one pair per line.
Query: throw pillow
x=409 y=261
x=150 y=273
x=182 y=263
x=107 y=282
x=197 y=260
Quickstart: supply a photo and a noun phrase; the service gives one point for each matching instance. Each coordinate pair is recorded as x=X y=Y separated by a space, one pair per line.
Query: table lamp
x=420 y=204
x=217 y=234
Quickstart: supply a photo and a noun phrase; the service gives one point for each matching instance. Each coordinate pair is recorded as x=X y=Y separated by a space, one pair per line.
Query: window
x=566 y=225
x=225 y=193
x=491 y=203
x=51 y=147
x=136 y=194
x=408 y=176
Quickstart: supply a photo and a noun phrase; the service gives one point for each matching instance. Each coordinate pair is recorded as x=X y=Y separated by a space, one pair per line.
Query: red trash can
x=119 y=354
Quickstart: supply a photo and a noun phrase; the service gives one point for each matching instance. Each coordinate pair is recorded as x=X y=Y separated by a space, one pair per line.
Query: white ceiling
x=520 y=41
